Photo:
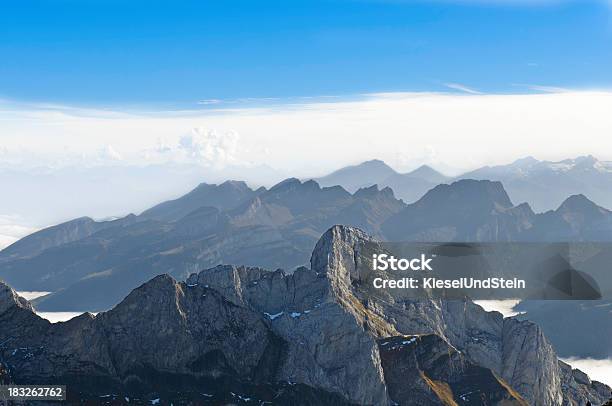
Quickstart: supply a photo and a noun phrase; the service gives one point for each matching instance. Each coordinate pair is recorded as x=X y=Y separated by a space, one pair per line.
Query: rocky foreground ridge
x=236 y=335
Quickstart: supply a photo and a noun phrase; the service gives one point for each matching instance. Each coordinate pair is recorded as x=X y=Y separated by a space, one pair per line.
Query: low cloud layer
x=12 y=229
x=597 y=369
x=452 y=131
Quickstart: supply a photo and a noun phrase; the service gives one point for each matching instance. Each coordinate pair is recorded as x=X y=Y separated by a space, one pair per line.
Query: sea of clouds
x=12 y=228
x=597 y=369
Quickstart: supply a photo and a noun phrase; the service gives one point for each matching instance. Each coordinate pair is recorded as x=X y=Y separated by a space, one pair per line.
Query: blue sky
x=177 y=53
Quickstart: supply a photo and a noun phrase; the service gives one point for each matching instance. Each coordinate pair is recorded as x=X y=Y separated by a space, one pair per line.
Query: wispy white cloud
x=543 y=88
x=209 y=101
x=462 y=88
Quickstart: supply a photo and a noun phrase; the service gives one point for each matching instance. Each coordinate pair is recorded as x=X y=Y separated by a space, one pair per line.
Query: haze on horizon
x=305 y=87
x=199 y=91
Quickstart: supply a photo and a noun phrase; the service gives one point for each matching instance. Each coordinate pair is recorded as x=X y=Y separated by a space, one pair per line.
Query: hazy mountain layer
x=407 y=186
x=542 y=184
x=94 y=265
x=545 y=185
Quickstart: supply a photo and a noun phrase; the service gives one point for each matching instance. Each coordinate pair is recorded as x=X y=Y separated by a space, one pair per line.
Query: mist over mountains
x=546 y=184
x=542 y=184
x=92 y=265
x=71 y=192
x=406 y=186
x=94 y=191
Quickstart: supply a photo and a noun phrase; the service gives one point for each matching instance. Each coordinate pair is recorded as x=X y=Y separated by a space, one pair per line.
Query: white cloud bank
x=597 y=369
x=12 y=229
x=210 y=147
x=461 y=131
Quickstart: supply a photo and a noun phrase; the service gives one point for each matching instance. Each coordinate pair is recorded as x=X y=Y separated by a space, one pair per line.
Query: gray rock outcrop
x=314 y=336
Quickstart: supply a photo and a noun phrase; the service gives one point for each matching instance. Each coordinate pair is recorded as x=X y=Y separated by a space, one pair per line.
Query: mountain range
x=406 y=186
x=546 y=184
x=542 y=184
x=93 y=265
x=92 y=188
x=237 y=335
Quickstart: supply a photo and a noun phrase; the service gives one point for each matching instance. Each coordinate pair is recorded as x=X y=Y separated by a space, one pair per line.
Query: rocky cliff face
x=310 y=337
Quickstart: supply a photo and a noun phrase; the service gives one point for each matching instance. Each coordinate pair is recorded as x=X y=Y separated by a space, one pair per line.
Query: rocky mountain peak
x=374 y=191
x=336 y=250
x=526 y=209
x=224 y=196
x=581 y=204
x=356 y=176
x=9 y=298
x=286 y=184
x=235 y=184
x=375 y=165
x=233 y=330
x=367 y=191
x=465 y=210
x=428 y=173
x=525 y=162
x=467 y=192
x=293 y=188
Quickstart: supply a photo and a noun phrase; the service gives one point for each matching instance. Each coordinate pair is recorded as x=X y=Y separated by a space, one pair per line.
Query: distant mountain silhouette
x=545 y=184
x=60 y=234
x=92 y=265
x=357 y=176
x=576 y=219
x=225 y=196
x=427 y=173
x=467 y=210
x=542 y=184
x=471 y=210
x=101 y=261
x=406 y=186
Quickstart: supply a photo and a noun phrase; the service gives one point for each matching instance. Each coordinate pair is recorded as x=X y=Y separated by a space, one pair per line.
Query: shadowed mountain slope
x=310 y=335
x=224 y=196
x=273 y=228
x=471 y=210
